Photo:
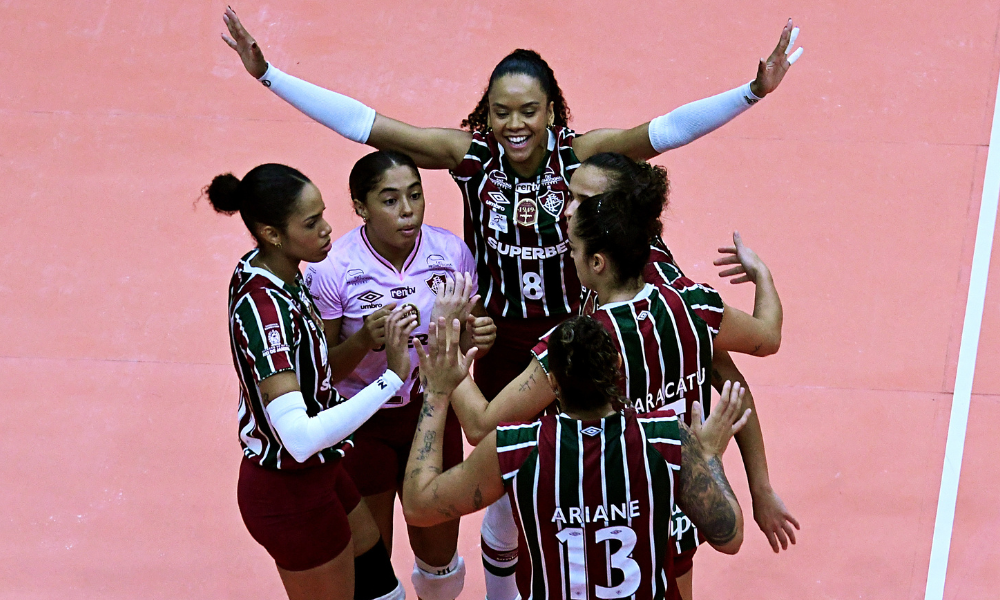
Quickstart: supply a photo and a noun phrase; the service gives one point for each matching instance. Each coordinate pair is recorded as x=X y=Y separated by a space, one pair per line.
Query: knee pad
x=499 y=539
x=374 y=578
x=438 y=583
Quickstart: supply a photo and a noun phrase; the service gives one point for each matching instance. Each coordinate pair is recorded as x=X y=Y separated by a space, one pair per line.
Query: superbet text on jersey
x=517 y=228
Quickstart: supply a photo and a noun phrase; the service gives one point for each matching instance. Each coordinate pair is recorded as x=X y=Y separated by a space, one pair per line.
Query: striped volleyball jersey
x=665 y=336
x=274 y=327
x=593 y=503
x=658 y=252
x=516 y=228
x=354 y=281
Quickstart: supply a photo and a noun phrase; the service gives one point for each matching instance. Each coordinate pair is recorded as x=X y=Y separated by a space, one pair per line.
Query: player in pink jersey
x=594 y=486
x=513 y=164
x=294 y=495
x=395 y=261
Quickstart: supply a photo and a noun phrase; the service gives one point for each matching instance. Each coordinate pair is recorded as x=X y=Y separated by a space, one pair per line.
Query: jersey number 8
x=620 y=560
x=531 y=286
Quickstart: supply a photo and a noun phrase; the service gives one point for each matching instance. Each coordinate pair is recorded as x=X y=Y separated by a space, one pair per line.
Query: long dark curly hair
x=647 y=184
x=520 y=62
x=584 y=361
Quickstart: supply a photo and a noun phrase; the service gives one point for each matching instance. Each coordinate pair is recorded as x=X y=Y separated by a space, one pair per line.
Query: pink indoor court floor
x=859 y=182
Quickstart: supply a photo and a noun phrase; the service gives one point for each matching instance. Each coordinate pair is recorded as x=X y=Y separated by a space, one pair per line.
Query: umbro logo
x=592 y=431
x=369 y=296
x=643 y=315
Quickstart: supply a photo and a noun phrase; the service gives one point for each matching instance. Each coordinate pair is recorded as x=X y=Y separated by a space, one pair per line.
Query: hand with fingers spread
x=442 y=364
x=244 y=44
x=724 y=422
x=482 y=332
x=454 y=299
x=374 y=326
x=771 y=71
x=750 y=267
x=398 y=328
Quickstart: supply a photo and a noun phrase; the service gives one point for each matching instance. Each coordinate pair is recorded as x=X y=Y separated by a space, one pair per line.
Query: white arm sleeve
x=304 y=436
x=346 y=116
x=687 y=123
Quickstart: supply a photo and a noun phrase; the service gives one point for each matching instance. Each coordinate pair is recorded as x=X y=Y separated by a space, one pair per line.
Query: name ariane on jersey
x=274 y=327
x=355 y=281
x=593 y=503
x=516 y=228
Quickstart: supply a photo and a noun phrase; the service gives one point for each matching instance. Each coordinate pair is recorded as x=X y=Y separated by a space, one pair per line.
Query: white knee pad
x=499 y=530
x=438 y=583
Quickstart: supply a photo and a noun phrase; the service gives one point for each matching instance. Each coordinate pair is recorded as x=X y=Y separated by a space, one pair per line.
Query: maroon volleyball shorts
x=298 y=515
x=377 y=462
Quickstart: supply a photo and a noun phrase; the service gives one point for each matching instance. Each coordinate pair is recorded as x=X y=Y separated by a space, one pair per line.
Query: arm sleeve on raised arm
x=304 y=436
x=346 y=116
x=687 y=123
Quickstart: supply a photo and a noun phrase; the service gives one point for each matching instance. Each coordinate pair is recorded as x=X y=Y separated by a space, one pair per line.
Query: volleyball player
x=294 y=495
x=666 y=332
x=593 y=488
x=395 y=260
x=513 y=164
x=612 y=171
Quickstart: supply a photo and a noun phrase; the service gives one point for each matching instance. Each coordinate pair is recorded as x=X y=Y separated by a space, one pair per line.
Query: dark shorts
x=684 y=562
x=511 y=352
x=377 y=462
x=300 y=515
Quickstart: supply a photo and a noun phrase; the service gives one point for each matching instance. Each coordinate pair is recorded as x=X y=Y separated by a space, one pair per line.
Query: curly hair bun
x=222 y=193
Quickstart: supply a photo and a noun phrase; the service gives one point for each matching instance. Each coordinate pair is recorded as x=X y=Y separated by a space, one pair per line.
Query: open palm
x=771 y=71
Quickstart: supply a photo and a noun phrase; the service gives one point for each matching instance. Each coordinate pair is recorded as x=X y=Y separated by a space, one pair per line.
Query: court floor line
x=968 y=349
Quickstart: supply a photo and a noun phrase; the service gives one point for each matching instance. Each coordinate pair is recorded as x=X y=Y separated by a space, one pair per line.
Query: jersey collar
x=409 y=259
x=642 y=295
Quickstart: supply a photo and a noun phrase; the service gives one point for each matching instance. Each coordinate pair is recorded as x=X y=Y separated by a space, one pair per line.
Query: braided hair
x=520 y=62
x=584 y=361
x=649 y=181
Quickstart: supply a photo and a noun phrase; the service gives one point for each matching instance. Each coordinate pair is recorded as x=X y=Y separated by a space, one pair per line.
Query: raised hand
x=442 y=364
x=724 y=422
x=244 y=44
x=454 y=299
x=771 y=71
x=749 y=266
x=374 y=326
x=398 y=328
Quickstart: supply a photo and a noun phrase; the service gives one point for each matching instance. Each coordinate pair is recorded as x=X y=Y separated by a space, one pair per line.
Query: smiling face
x=307 y=234
x=587 y=181
x=520 y=113
x=393 y=210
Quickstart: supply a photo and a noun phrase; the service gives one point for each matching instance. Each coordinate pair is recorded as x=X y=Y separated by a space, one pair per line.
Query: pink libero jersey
x=354 y=281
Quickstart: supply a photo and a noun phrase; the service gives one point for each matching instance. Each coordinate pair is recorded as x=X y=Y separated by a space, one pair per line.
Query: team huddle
x=559 y=336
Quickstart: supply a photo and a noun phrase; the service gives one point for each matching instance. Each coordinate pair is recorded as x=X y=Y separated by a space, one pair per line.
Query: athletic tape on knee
x=438 y=583
x=374 y=578
x=499 y=539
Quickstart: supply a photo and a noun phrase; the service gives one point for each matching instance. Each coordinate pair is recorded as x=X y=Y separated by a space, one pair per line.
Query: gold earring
x=277 y=245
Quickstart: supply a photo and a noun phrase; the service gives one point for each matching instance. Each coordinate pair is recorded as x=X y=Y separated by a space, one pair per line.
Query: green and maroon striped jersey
x=593 y=503
x=274 y=327
x=516 y=228
x=658 y=252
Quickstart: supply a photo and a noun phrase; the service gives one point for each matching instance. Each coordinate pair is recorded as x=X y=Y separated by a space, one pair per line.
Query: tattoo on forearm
x=477 y=498
x=757 y=348
x=705 y=492
x=426 y=449
x=716 y=377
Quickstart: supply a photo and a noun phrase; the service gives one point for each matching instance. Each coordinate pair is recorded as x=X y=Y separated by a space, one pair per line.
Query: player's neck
x=530 y=167
x=609 y=290
x=592 y=414
x=395 y=255
x=278 y=265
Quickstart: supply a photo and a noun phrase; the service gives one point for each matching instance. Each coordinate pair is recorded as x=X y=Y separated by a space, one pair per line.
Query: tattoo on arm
x=477 y=498
x=757 y=348
x=425 y=450
x=716 y=377
x=527 y=384
x=705 y=493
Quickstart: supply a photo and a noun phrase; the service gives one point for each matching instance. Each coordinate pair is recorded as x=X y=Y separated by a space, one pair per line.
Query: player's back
x=593 y=502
